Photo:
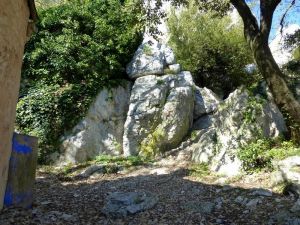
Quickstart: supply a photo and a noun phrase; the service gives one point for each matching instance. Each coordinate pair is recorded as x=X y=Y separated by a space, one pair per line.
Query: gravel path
x=182 y=200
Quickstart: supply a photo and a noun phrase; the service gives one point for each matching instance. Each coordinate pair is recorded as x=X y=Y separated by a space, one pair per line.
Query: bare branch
x=285 y=14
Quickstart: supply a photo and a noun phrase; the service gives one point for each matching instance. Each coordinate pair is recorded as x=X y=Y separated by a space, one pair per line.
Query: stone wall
x=13 y=34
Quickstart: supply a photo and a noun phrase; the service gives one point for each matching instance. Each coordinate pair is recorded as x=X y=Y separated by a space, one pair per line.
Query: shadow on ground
x=181 y=201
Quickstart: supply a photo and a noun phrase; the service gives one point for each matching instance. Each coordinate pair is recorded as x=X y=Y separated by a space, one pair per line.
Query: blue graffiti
x=19 y=148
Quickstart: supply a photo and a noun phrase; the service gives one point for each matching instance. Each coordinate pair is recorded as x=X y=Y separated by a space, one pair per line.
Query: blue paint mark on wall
x=8 y=198
x=11 y=198
x=13 y=163
x=24 y=150
x=20 y=148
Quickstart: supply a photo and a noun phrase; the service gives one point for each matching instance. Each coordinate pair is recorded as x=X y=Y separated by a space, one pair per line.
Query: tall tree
x=257 y=35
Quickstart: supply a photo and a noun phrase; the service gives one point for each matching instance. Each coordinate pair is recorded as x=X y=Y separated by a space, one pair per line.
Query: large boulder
x=240 y=119
x=152 y=58
x=206 y=102
x=160 y=113
x=101 y=131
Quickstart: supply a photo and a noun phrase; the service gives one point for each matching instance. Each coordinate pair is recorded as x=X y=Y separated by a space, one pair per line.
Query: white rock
x=253 y=203
x=288 y=170
x=227 y=130
x=152 y=58
x=173 y=69
x=169 y=55
x=160 y=113
x=262 y=192
x=148 y=59
x=101 y=131
x=206 y=101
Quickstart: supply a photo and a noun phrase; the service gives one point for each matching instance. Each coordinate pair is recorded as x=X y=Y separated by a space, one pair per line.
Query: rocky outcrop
x=240 y=119
x=206 y=102
x=160 y=113
x=101 y=131
x=164 y=107
x=288 y=171
x=152 y=58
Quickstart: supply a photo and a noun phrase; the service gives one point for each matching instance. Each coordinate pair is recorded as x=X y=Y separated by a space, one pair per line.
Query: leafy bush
x=212 y=48
x=259 y=154
x=253 y=156
x=79 y=49
x=292 y=41
x=199 y=170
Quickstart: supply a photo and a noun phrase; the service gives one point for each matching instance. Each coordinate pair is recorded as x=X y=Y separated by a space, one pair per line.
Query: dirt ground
x=183 y=199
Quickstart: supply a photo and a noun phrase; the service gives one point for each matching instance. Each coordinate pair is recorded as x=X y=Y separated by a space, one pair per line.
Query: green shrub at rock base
x=253 y=156
x=199 y=170
x=121 y=161
x=259 y=155
x=81 y=47
x=150 y=146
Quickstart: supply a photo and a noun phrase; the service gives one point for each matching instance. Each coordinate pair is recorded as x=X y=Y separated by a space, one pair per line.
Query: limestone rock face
x=288 y=171
x=206 y=101
x=168 y=54
x=151 y=58
x=160 y=113
x=238 y=121
x=101 y=131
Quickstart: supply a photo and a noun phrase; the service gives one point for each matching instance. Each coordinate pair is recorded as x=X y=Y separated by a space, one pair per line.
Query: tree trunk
x=272 y=74
x=257 y=35
x=13 y=28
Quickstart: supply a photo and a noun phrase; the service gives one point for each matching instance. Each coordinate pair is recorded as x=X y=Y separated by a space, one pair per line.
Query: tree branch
x=267 y=8
x=33 y=11
x=284 y=15
x=250 y=23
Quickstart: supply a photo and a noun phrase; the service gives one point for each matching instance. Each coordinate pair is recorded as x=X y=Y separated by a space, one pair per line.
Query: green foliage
x=150 y=146
x=111 y=164
x=253 y=108
x=258 y=155
x=121 y=161
x=212 y=48
x=48 y=3
x=160 y=82
x=199 y=170
x=284 y=150
x=194 y=135
x=147 y=50
x=292 y=43
x=253 y=156
x=80 y=48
